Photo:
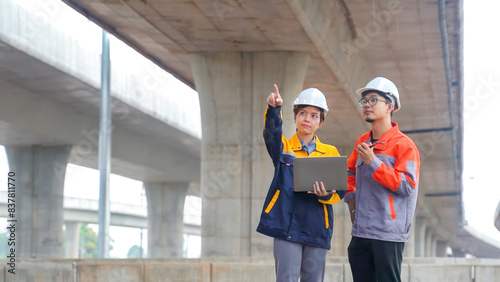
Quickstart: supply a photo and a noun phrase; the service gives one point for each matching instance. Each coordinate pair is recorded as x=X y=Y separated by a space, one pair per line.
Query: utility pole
x=104 y=151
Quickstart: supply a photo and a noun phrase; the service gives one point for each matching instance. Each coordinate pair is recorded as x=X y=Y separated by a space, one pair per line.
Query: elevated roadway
x=52 y=82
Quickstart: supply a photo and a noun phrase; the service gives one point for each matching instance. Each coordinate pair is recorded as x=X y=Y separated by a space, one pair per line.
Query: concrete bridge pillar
x=433 y=245
x=341 y=230
x=236 y=169
x=459 y=252
x=72 y=249
x=39 y=177
x=420 y=229
x=428 y=243
x=411 y=244
x=165 y=218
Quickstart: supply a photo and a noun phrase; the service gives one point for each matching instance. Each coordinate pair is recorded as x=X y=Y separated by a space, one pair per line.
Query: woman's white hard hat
x=312 y=97
x=383 y=85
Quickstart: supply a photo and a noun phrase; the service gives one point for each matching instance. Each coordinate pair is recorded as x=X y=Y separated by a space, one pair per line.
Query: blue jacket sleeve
x=273 y=133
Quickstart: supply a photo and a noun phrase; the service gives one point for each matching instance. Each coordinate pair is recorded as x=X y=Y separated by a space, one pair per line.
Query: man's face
x=376 y=107
x=308 y=120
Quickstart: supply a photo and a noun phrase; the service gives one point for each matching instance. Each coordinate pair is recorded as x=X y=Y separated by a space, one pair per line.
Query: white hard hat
x=384 y=85
x=312 y=97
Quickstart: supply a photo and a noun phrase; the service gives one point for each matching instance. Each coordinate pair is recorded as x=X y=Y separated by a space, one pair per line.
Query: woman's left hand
x=319 y=190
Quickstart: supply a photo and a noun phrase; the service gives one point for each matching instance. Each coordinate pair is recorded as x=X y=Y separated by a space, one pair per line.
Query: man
x=382 y=187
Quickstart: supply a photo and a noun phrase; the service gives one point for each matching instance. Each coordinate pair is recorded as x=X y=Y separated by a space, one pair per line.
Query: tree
x=135 y=252
x=3 y=245
x=88 y=242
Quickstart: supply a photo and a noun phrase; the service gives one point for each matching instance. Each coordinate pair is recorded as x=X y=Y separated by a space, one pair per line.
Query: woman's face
x=308 y=120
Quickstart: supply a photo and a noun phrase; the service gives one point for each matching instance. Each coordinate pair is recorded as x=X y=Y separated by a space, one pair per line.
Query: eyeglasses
x=372 y=101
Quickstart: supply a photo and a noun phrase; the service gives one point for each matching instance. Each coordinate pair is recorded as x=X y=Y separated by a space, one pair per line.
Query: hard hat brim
x=312 y=105
x=360 y=91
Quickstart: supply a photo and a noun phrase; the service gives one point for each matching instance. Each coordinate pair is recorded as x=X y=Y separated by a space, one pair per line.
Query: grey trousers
x=295 y=260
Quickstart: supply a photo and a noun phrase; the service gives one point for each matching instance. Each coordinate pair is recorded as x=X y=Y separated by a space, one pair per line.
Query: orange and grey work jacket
x=386 y=190
x=295 y=216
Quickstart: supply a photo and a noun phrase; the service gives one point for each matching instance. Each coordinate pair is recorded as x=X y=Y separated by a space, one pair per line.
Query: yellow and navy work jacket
x=386 y=189
x=295 y=216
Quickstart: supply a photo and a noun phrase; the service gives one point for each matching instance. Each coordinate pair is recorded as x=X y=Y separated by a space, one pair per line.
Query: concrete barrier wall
x=487 y=273
x=229 y=270
x=455 y=273
x=173 y=272
x=244 y=272
x=40 y=271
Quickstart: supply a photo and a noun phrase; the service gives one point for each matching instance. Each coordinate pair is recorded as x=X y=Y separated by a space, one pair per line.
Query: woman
x=300 y=223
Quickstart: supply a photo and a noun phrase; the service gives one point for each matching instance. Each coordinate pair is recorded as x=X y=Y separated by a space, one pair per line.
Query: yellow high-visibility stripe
x=273 y=201
x=327 y=224
x=333 y=200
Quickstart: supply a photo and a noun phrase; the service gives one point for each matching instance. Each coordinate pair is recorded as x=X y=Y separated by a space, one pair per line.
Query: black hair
x=297 y=108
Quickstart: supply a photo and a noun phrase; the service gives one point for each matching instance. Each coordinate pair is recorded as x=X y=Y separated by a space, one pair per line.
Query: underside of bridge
x=415 y=43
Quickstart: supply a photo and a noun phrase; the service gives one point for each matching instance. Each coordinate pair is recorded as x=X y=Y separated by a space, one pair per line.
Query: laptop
x=331 y=170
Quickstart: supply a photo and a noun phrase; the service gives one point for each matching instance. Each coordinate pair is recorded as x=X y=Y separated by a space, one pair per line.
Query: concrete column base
x=341 y=230
x=72 y=249
x=429 y=243
x=441 y=247
x=165 y=218
x=420 y=230
x=40 y=172
x=409 y=251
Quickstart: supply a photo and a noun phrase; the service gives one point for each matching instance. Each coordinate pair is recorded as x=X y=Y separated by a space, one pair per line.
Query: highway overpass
x=232 y=53
x=238 y=49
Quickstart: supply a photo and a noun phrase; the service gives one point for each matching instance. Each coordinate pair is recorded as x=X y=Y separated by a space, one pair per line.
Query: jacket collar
x=388 y=135
x=297 y=146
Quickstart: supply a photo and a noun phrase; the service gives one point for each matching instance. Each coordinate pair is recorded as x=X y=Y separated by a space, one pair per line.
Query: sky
x=481 y=100
x=481 y=97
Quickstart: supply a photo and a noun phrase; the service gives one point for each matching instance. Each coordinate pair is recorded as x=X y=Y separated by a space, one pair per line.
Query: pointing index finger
x=276 y=89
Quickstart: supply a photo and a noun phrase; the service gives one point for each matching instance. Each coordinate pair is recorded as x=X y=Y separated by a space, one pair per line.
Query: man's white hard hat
x=311 y=97
x=385 y=86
